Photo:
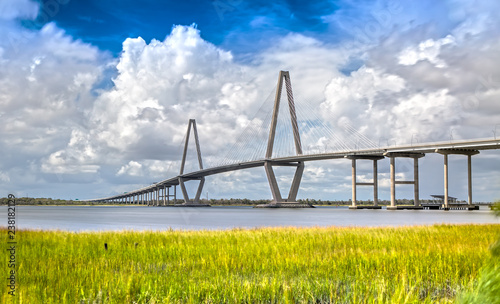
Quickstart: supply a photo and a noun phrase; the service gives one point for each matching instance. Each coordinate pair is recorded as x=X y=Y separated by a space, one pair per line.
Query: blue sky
x=236 y=25
x=95 y=95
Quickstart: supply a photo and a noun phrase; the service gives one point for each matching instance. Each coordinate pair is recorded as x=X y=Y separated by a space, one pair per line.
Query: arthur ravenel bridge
x=160 y=194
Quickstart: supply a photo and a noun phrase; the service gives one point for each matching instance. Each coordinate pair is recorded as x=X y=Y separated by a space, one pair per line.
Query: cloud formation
x=65 y=120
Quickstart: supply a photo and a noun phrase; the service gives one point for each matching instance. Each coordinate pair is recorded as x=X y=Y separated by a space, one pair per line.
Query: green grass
x=425 y=264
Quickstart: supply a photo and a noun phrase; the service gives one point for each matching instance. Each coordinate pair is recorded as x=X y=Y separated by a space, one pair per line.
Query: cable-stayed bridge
x=285 y=146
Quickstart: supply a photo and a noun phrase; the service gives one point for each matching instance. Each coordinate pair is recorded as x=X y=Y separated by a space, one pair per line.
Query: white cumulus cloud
x=398 y=83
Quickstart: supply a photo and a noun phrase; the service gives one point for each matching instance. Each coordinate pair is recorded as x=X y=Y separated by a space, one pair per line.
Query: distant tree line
x=44 y=201
x=216 y=202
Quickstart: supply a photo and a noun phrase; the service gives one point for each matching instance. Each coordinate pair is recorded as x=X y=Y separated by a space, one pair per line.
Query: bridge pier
x=175 y=194
x=375 y=159
x=196 y=201
x=469 y=153
x=415 y=183
x=164 y=196
x=291 y=200
x=157 y=188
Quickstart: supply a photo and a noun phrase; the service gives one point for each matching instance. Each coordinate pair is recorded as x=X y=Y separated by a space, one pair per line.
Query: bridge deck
x=483 y=144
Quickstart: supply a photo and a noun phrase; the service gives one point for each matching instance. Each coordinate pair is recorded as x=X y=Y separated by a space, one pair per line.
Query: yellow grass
x=425 y=264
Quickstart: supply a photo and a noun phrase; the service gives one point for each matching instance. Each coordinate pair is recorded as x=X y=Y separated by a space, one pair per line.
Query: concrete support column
x=157 y=196
x=273 y=184
x=199 y=191
x=164 y=195
x=415 y=184
x=168 y=196
x=469 y=153
x=353 y=170
x=446 y=181
x=355 y=183
x=469 y=172
x=294 y=188
x=375 y=183
x=393 y=183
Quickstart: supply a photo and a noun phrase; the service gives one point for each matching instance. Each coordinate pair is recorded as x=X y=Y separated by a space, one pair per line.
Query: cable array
x=316 y=134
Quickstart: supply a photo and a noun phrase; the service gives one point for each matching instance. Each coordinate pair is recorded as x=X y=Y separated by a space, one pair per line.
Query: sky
x=95 y=96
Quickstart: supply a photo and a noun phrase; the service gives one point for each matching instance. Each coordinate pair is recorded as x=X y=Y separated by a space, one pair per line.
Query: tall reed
x=424 y=264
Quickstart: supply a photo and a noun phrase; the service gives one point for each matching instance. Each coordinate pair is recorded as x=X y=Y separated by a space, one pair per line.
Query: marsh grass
x=425 y=264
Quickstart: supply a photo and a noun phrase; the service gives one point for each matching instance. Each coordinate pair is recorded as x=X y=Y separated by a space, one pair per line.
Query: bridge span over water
x=159 y=194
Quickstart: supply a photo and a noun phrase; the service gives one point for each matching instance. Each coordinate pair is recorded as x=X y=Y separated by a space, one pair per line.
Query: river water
x=102 y=218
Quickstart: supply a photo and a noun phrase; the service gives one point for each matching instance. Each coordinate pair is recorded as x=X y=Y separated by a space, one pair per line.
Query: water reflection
x=96 y=218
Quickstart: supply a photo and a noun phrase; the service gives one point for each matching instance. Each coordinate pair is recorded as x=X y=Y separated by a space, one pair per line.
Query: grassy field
x=427 y=264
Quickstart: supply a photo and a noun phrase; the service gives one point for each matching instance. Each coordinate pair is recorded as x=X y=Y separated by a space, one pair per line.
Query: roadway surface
x=485 y=144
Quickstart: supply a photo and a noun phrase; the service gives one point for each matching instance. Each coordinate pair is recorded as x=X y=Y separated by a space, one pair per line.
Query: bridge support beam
x=196 y=201
x=157 y=196
x=273 y=184
x=175 y=194
x=375 y=159
x=164 y=190
x=394 y=182
x=469 y=153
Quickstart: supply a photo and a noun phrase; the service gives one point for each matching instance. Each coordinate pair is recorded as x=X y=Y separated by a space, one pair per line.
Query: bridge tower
x=278 y=200
x=196 y=201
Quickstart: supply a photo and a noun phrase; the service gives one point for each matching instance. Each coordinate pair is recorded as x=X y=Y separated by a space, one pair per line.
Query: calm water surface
x=96 y=218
